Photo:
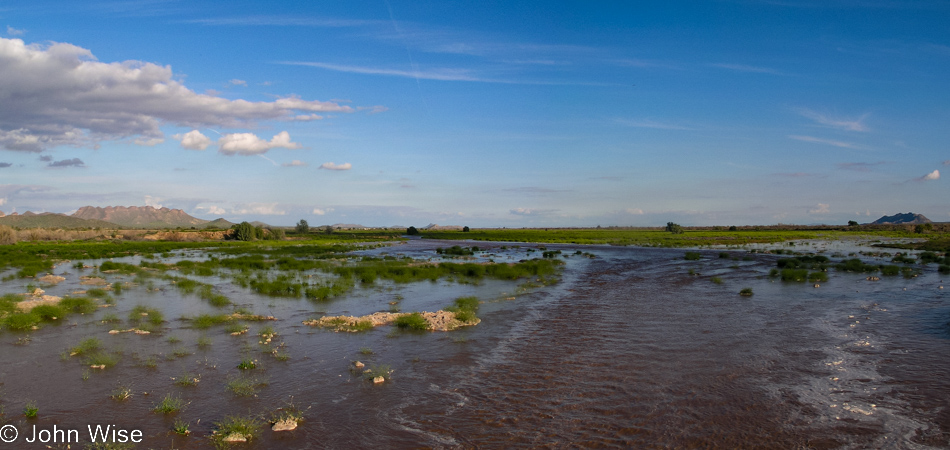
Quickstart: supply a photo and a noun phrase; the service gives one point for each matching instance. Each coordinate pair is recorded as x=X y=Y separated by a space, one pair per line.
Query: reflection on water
x=629 y=350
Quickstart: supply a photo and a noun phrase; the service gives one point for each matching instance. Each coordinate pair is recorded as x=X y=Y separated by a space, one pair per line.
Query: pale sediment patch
x=51 y=279
x=92 y=281
x=37 y=300
x=438 y=321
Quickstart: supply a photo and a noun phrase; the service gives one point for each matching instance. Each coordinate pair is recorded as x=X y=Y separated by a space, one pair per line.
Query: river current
x=636 y=348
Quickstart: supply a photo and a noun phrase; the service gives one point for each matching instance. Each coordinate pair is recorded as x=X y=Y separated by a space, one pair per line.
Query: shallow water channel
x=628 y=350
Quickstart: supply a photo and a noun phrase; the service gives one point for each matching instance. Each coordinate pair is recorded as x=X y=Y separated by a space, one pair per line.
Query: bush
x=692 y=256
x=243 y=231
x=303 y=227
x=466 y=229
x=7 y=235
x=746 y=292
x=413 y=321
x=412 y=231
x=674 y=228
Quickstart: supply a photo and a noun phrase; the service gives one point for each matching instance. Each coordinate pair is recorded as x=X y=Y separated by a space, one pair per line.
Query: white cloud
x=193 y=140
x=14 y=32
x=634 y=211
x=59 y=94
x=935 y=175
x=332 y=166
x=154 y=202
x=307 y=117
x=822 y=208
x=295 y=163
x=745 y=68
x=236 y=82
x=3 y=201
x=266 y=209
x=319 y=211
x=824 y=141
x=835 y=122
x=250 y=144
x=213 y=210
x=149 y=142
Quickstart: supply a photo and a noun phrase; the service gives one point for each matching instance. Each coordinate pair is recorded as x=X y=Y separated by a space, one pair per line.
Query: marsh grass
x=187 y=379
x=205 y=321
x=235 y=328
x=692 y=256
x=204 y=342
x=464 y=308
x=169 y=405
x=382 y=370
x=121 y=393
x=366 y=351
x=716 y=280
x=81 y=305
x=746 y=292
x=413 y=321
x=30 y=410
x=102 y=358
x=247 y=364
x=181 y=427
x=86 y=346
x=247 y=426
x=245 y=385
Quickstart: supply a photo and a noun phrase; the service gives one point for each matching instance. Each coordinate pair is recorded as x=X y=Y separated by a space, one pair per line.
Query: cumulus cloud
x=3 y=201
x=821 y=209
x=59 y=94
x=321 y=212
x=193 y=140
x=214 y=210
x=332 y=166
x=154 y=202
x=250 y=144
x=835 y=122
x=14 y=32
x=4 y=164
x=75 y=162
x=307 y=117
x=295 y=163
x=265 y=209
x=935 y=175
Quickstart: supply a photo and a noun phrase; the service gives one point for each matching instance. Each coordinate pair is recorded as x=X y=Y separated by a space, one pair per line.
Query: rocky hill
x=140 y=216
x=896 y=219
x=51 y=220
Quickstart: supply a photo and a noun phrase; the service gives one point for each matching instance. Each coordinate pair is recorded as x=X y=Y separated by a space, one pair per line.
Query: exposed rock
x=234 y=438
x=92 y=281
x=51 y=279
x=378 y=380
x=873 y=279
x=100 y=366
x=28 y=305
x=438 y=321
x=287 y=424
x=358 y=365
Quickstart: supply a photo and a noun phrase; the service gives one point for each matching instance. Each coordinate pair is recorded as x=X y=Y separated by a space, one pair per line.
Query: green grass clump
x=119 y=267
x=247 y=426
x=121 y=393
x=49 y=313
x=374 y=371
x=247 y=364
x=235 y=328
x=205 y=321
x=746 y=292
x=181 y=427
x=21 y=321
x=101 y=358
x=204 y=342
x=245 y=386
x=117 y=288
x=413 y=321
x=794 y=274
x=464 y=309
x=890 y=270
x=279 y=286
x=219 y=300
x=692 y=256
x=944 y=268
x=169 y=405
x=30 y=410
x=815 y=277
x=142 y=313
x=855 y=265
x=187 y=379
x=81 y=305
x=716 y=280
x=85 y=347
x=97 y=293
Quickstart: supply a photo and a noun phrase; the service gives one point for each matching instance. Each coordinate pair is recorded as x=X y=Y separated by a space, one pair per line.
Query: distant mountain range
x=112 y=217
x=896 y=219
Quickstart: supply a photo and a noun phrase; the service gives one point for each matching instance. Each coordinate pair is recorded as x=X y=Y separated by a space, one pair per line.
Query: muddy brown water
x=628 y=350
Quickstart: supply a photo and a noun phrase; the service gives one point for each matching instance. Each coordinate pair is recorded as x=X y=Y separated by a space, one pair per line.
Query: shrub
x=412 y=231
x=692 y=256
x=674 y=228
x=855 y=265
x=303 y=227
x=243 y=231
x=466 y=229
x=746 y=292
x=7 y=235
x=723 y=255
x=413 y=321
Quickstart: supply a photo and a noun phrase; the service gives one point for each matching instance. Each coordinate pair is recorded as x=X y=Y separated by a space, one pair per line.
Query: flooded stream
x=628 y=350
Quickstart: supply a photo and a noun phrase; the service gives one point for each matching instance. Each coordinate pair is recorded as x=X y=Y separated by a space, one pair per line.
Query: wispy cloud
x=947 y=162
x=859 y=166
x=295 y=163
x=835 y=122
x=283 y=21
x=648 y=123
x=14 y=32
x=237 y=82
x=747 y=68
x=534 y=190
x=795 y=175
x=825 y=141
x=265 y=209
x=532 y=212
x=75 y=162
x=332 y=166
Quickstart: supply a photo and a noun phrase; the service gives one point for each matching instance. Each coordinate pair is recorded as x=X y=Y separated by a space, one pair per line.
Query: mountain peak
x=908 y=218
x=139 y=216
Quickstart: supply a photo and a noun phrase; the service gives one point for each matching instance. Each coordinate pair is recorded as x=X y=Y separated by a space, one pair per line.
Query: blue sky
x=482 y=113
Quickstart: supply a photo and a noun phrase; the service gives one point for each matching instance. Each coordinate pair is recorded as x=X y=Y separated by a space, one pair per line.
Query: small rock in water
x=234 y=437
x=817 y=285
x=378 y=380
x=358 y=365
x=285 y=425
